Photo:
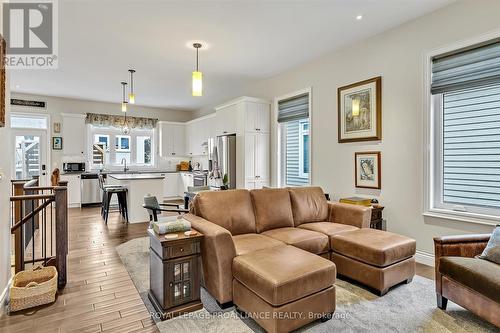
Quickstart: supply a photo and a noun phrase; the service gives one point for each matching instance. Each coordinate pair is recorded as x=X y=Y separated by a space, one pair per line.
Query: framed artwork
x=360 y=111
x=2 y=81
x=367 y=169
x=57 y=143
x=57 y=127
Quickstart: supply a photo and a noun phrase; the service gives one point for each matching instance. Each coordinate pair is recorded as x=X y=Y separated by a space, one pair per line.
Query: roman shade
x=467 y=68
x=294 y=108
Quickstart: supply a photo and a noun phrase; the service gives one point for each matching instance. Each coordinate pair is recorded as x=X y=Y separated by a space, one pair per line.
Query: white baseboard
x=425 y=258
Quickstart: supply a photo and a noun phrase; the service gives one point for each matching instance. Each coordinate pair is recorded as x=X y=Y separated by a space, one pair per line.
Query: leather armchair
x=218 y=251
x=464 y=279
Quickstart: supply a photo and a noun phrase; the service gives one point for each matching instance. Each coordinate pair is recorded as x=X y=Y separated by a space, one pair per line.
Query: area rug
x=406 y=308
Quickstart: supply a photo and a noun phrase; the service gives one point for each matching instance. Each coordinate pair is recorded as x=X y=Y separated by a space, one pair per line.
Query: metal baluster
x=33 y=235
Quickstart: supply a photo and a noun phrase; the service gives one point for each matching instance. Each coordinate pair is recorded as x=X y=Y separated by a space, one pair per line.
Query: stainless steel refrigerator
x=222 y=159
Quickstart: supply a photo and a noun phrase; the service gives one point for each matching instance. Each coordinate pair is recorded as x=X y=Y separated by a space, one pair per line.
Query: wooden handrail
x=31 y=197
x=39 y=188
x=30 y=215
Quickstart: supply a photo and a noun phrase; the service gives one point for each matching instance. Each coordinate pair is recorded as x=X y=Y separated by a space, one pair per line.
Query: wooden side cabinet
x=377 y=221
x=175 y=274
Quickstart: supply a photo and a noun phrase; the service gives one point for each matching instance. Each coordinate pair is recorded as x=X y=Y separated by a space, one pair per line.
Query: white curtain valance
x=106 y=120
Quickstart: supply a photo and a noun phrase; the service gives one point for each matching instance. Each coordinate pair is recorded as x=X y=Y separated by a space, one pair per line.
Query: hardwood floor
x=99 y=295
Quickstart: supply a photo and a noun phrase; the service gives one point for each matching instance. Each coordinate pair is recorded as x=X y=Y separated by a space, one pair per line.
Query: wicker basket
x=33 y=288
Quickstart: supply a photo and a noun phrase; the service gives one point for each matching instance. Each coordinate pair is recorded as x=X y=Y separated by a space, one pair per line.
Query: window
x=28 y=121
x=465 y=157
x=294 y=136
x=143 y=150
x=136 y=148
x=304 y=148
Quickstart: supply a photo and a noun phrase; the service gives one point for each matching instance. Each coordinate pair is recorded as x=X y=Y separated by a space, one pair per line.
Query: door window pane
x=27 y=156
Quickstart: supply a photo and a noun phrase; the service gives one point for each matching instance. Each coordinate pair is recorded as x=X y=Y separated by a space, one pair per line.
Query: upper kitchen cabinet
x=74 y=134
x=244 y=114
x=198 y=131
x=227 y=119
x=172 y=138
x=257 y=117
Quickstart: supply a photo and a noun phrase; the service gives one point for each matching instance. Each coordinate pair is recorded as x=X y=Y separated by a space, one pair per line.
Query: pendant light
x=197 y=88
x=131 y=95
x=124 y=101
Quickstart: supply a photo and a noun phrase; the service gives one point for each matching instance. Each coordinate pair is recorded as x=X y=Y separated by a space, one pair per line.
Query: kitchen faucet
x=124 y=160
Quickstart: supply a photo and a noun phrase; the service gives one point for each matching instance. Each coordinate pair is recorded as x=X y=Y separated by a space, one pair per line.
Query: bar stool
x=107 y=194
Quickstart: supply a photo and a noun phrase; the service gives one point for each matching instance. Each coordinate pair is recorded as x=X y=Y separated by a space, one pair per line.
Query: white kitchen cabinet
x=227 y=119
x=252 y=184
x=257 y=164
x=198 y=131
x=187 y=180
x=257 y=117
x=74 y=193
x=250 y=119
x=172 y=139
x=171 y=185
x=74 y=135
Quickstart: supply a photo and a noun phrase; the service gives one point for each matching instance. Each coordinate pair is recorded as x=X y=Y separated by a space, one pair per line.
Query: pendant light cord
x=197 y=58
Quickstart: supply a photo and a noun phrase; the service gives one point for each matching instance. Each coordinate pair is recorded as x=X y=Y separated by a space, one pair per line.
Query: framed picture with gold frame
x=2 y=81
x=367 y=169
x=360 y=111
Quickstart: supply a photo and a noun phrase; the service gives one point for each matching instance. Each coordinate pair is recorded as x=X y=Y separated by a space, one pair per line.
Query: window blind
x=294 y=108
x=471 y=147
x=464 y=69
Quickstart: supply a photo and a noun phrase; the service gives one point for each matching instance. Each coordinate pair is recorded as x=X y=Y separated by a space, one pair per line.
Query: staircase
x=39 y=226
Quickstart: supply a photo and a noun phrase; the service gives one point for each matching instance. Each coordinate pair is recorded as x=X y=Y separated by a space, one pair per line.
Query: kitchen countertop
x=135 y=176
x=118 y=172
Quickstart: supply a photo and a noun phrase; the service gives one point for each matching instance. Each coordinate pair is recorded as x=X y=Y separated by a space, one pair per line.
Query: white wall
x=396 y=55
x=5 y=164
x=58 y=105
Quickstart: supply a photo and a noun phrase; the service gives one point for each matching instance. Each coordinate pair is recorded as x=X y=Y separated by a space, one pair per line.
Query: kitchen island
x=138 y=185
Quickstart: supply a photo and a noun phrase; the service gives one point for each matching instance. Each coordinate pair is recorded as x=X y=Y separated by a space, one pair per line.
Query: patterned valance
x=106 y=120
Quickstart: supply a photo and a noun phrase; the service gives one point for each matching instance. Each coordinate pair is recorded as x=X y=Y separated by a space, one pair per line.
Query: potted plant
x=225 y=181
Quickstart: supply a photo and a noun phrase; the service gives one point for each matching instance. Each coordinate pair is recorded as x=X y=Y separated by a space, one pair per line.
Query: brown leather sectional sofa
x=270 y=251
x=468 y=281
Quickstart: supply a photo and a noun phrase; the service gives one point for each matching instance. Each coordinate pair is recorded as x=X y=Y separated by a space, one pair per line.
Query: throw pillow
x=492 y=250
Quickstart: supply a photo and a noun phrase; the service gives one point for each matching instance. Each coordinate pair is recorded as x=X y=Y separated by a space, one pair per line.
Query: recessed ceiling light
x=359 y=17
x=18 y=86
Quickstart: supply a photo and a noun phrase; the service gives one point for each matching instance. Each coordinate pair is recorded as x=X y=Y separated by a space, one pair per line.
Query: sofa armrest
x=457 y=246
x=358 y=216
x=217 y=252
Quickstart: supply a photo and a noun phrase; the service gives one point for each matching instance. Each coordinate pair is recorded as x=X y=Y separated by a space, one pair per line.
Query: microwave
x=73 y=167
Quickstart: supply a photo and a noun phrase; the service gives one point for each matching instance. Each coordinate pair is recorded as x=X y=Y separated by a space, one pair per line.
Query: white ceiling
x=247 y=40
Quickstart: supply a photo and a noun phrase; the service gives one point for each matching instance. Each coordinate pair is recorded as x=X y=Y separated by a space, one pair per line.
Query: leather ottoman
x=283 y=288
x=376 y=258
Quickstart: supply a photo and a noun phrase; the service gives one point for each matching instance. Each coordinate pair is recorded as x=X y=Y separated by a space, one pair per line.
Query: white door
x=30 y=155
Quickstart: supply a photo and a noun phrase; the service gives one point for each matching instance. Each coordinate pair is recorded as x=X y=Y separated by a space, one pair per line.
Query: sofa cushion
x=492 y=250
x=374 y=247
x=253 y=242
x=300 y=273
x=328 y=228
x=231 y=210
x=480 y=275
x=308 y=204
x=272 y=209
x=307 y=240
